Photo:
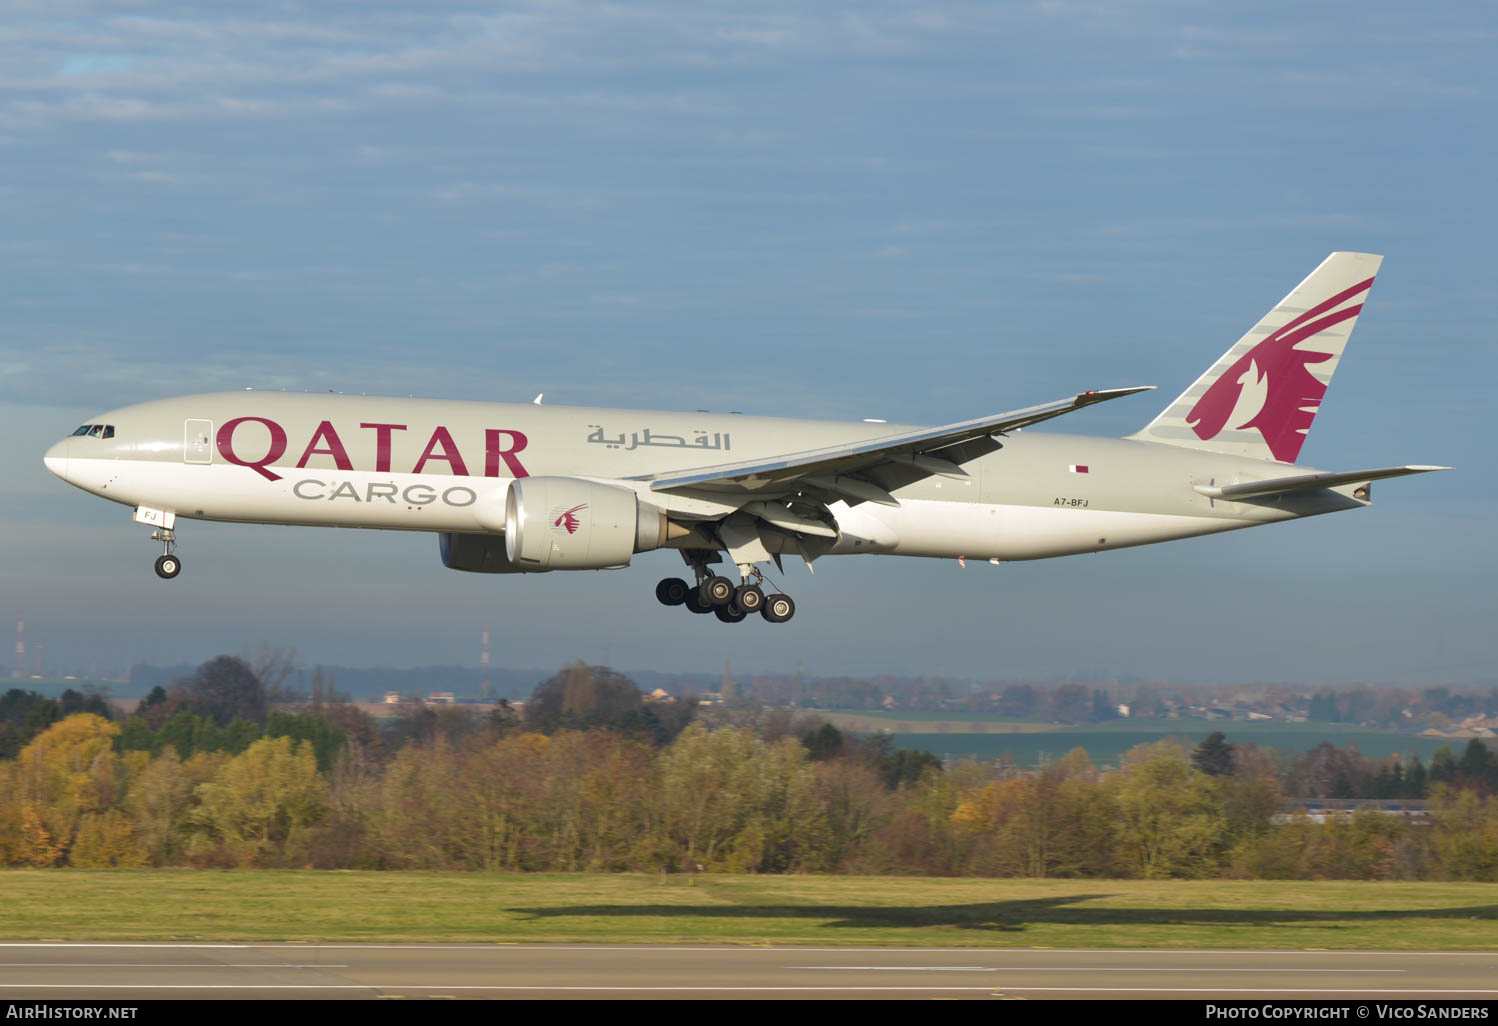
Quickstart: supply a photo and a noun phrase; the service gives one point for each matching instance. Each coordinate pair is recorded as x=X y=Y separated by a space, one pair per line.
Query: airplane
x=531 y=488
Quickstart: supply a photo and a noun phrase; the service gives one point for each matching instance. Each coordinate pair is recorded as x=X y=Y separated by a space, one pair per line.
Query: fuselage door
x=197 y=442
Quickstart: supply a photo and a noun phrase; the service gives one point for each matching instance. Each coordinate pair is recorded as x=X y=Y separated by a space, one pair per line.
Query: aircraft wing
x=870 y=470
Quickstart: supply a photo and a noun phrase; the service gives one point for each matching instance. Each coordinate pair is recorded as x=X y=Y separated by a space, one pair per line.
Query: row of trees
x=732 y=799
x=1327 y=771
x=25 y=714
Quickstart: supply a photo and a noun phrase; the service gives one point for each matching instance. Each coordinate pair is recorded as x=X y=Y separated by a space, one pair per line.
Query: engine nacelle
x=566 y=523
x=476 y=553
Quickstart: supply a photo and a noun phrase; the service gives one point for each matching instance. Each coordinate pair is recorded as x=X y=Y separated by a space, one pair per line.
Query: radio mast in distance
x=19 y=669
x=484 y=667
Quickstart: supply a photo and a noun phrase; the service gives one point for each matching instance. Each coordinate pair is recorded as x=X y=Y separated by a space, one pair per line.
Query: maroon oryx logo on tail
x=1270 y=387
x=568 y=521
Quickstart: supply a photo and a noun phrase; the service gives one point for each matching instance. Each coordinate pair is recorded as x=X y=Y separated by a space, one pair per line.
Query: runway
x=199 y=971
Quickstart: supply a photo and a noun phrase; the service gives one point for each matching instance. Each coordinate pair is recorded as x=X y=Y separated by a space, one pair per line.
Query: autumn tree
x=1019 y=701
x=1251 y=793
x=224 y=689
x=1327 y=771
x=162 y=798
x=1054 y=823
x=733 y=803
x=1466 y=834
x=856 y=804
x=1170 y=819
x=421 y=813
x=346 y=837
x=605 y=799
x=259 y=802
x=583 y=697
x=1070 y=703
x=106 y=840
x=69 y=771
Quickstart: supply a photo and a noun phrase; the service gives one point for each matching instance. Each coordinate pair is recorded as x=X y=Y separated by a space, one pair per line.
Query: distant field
x=926 y=723
x=266 y=905
x=1029 y=744
x=1107 y=744
x=53 y=687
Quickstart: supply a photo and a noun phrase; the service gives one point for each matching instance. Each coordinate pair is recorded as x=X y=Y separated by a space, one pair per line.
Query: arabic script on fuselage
x=717 y=441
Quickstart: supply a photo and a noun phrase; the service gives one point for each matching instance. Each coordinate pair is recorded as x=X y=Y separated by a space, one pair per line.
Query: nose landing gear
x=167 y=564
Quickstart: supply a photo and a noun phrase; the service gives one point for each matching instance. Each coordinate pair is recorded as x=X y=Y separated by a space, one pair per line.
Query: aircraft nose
x=56 y=458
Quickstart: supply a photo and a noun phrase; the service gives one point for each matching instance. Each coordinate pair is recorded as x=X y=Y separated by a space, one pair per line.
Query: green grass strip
x=273 y=905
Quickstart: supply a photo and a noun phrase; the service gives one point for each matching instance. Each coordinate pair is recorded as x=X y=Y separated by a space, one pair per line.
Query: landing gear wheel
x=694 y=602
x=168 y=567
x=778 y=608
x=729 y=614
x=672 y=591
x=749 y=598
x=717 y=591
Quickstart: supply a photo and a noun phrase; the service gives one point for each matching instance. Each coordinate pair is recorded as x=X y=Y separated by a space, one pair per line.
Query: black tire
x=778 y=608
x=695 y=604
x=717 y=591
x=672 y=591
x=749 y=598
x=168 y=567
x=729 y=614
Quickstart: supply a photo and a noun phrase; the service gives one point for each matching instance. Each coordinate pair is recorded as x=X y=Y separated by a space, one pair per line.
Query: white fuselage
x=446 y=466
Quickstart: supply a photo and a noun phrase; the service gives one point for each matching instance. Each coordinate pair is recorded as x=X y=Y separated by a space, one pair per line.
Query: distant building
x=392 y=698
x=441 y=698
x=1341 y=810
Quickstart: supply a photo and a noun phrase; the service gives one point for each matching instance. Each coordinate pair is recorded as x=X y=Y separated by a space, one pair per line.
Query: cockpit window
x=95 y=431
x=83 y=430
x=108 y=430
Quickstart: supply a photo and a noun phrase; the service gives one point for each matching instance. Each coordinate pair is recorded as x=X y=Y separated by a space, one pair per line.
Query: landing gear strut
x=167 y=564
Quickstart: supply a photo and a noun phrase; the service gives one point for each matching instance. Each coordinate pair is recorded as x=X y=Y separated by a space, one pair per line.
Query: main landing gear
x=717 y=595
x=167 y=564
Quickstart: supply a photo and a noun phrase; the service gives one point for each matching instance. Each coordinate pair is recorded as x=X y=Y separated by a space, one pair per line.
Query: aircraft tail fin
x=1260 y=397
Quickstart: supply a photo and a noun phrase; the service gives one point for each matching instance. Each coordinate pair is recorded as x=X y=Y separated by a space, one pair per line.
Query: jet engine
x=476 y=553
x=567 y=523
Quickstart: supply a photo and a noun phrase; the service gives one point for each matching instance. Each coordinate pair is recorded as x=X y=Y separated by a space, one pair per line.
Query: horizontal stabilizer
x=1304 y=482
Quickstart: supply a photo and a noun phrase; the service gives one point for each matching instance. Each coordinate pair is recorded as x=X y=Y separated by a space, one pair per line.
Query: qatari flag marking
x=1077 y=468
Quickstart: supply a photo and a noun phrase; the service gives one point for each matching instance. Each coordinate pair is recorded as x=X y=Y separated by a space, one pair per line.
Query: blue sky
x=841 y=210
